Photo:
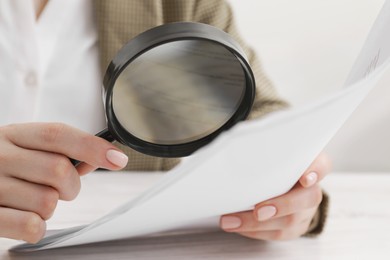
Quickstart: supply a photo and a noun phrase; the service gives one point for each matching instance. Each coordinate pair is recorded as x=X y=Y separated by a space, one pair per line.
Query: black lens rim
x=161 y=35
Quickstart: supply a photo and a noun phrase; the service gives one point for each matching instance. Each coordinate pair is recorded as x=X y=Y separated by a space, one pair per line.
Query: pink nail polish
x=311 y=179
x=117 y=158
x=265 y=213
x=230 y=222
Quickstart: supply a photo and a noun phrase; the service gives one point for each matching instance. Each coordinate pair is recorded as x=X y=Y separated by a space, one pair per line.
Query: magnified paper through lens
x=179 y=92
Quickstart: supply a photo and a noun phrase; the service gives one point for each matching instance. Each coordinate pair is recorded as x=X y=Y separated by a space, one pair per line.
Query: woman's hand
x=287 y=216
x=35 y=172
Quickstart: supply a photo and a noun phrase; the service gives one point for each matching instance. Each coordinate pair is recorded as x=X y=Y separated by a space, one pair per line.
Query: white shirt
x=49 y=68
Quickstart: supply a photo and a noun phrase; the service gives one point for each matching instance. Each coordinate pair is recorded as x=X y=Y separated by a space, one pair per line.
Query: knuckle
x=48 y=203
x=76 y=187
x=61 y=168
x=33 y=227
x=51 y=132
x=66 y=179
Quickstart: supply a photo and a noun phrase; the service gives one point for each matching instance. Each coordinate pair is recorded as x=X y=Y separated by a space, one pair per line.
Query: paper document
x=252 y=162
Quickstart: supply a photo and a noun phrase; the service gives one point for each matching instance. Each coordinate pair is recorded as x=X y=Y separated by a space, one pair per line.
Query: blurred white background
x=307 y=48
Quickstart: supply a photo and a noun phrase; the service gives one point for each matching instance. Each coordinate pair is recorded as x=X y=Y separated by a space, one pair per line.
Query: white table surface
x=358 y=225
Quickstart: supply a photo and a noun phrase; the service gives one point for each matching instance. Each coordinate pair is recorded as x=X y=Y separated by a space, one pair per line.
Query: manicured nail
x=230 y=222
x=117 y=158
x=311 y=179
x=265 y=213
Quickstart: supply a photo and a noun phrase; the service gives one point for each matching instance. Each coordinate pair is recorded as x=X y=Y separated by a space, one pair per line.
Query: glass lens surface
x=179 y=92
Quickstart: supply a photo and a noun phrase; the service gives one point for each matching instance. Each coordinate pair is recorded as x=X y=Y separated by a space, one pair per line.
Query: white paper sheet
x=226 y=176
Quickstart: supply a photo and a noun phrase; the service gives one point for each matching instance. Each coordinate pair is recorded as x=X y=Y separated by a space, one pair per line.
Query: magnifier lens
x=178 y=92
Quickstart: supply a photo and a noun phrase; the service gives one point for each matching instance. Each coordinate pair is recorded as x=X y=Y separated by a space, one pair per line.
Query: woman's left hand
x=287 y=216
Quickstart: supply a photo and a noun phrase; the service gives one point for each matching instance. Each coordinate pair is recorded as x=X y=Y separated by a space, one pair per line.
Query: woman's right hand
x=35 y=172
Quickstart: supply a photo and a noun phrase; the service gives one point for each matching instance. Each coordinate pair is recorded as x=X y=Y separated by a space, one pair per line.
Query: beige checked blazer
x=121 y=20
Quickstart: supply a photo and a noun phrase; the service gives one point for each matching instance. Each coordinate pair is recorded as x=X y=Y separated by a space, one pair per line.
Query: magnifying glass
x=174 y=88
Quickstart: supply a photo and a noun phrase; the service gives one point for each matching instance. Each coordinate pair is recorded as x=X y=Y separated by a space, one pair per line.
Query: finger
x=43 y=168
x=246 y=221
x=319 y=168
x=21 y=225
x=69 y=141
x=281 y=234
x=295 y=200
x=25 y=196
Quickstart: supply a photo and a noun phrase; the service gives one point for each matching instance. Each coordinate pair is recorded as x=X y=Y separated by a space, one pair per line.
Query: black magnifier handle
x=105 y=134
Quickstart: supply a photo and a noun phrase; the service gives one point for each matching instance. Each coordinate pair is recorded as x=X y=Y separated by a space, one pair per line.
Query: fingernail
x=230 y=222
x=265 y=213
x=311 y=179
x=117 y=158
